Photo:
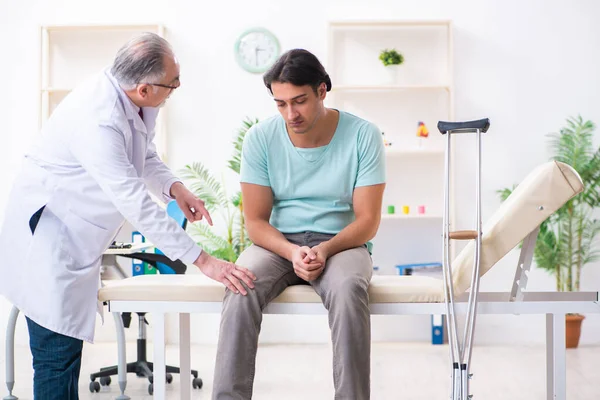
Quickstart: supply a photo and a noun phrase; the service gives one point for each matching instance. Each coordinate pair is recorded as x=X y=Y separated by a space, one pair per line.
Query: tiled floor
x=399 y=371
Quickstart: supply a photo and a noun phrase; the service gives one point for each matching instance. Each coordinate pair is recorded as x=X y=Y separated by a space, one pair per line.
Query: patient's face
x=299 y=106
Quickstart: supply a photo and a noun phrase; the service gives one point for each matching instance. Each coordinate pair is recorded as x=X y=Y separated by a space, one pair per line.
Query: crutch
x=460 y=352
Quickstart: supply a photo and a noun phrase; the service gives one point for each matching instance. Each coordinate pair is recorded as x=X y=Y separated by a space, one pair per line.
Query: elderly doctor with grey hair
x=93 y=169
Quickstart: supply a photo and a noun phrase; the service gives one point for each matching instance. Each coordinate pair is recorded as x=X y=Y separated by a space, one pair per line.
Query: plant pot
x=390 y=74
x=573 y=330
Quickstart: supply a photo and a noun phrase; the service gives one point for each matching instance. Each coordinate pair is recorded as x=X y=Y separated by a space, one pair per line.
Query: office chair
x=142 y=367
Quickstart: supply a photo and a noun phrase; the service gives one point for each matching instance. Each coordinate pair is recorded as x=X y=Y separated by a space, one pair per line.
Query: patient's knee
x=349 y=290
x=238 y=300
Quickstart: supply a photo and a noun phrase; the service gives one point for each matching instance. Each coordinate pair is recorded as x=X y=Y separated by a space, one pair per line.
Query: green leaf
x=236 y=159
x=391 y=57
x=200 y=182
x=206 y=187
x=573 y=145
x=239 y=244
x=504 y=193
x=206 y=237
x=547 y=253
x=568 y=238
x=236 y=200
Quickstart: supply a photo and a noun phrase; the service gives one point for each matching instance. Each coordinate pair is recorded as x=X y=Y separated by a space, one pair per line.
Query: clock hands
x=256 y=50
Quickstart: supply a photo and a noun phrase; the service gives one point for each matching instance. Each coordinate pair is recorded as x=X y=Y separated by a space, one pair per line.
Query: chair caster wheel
x=105 y=381
x=169 y=378
x=151 y=389
x=94 y=387
x=197 y=383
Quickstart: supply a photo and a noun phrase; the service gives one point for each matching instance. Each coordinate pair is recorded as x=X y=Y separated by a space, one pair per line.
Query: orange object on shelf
x=422 y=130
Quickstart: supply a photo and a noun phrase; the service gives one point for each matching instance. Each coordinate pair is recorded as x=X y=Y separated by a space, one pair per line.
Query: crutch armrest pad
x=468 y=126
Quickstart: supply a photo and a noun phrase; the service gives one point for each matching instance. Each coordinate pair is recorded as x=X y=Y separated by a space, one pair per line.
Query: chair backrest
x=174 y=212
x=546 y=189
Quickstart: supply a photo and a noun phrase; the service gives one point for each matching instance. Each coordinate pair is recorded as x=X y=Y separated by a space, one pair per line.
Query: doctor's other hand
x=306 y=264
x=225 y=272
x=192 y=207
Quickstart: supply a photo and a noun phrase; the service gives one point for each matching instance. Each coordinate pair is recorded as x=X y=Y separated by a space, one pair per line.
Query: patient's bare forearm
x=356 y=234
x=263 y=234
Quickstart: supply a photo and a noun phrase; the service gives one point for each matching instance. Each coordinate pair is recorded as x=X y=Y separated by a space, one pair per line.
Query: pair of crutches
x=460 y=352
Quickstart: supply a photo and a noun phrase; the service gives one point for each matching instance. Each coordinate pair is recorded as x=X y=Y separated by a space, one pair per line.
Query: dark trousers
x=56 y=363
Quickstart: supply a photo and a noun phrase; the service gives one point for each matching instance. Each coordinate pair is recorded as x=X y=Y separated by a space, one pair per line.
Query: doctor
x=92 y=170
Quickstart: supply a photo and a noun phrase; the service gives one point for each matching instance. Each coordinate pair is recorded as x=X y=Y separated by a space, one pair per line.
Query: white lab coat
x=91 y=170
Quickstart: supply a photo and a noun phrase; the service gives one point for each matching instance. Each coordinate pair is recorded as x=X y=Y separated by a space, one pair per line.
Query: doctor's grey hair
x=141 y=60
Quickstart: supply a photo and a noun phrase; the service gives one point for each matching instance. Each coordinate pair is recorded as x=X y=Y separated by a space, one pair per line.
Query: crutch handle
x=464 y=127
x=463 y=235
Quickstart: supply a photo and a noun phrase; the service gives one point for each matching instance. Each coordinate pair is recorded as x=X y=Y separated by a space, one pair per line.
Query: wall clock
x=256 y=50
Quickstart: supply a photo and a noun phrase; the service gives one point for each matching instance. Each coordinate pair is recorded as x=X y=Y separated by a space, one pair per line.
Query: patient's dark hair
x=298 y=67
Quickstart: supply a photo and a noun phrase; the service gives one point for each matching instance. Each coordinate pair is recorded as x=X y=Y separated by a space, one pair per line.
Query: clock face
x=256 y=50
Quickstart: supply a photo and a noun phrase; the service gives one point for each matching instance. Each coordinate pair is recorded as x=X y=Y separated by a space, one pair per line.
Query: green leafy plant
x=567 y=239
x=391 y=57
x=204 y=185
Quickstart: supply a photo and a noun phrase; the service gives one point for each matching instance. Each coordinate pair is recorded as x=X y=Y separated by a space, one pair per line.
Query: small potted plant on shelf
x=567 y=239
x=391 y=59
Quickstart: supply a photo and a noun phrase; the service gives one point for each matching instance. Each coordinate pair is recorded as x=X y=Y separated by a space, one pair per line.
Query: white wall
x=525 y=65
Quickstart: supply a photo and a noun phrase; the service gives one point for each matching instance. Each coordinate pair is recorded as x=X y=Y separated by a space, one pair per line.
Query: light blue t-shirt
x=313 y=187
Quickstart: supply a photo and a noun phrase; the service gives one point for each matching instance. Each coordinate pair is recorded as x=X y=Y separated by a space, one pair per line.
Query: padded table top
x=197 y=287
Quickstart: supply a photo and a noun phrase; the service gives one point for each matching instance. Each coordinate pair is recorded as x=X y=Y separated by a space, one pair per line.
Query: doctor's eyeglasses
x=165 y=86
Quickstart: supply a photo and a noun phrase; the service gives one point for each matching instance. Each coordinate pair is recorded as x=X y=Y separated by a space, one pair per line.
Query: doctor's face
x=159 y=92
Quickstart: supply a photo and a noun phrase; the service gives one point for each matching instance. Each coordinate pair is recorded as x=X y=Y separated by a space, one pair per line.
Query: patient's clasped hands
x=309 y=262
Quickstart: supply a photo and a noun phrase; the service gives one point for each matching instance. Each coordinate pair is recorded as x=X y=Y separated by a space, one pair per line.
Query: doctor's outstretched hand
x=192 y=207
x=225 y=272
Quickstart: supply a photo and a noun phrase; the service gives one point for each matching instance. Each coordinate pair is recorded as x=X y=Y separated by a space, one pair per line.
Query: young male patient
x=312 y=184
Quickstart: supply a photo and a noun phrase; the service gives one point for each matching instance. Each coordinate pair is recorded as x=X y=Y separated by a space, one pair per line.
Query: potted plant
x=391 y=59
x=567 y=239
x=204 y=185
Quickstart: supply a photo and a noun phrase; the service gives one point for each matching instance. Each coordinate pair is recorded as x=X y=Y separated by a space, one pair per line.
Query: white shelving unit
x=70 y=54
x=396 y=99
